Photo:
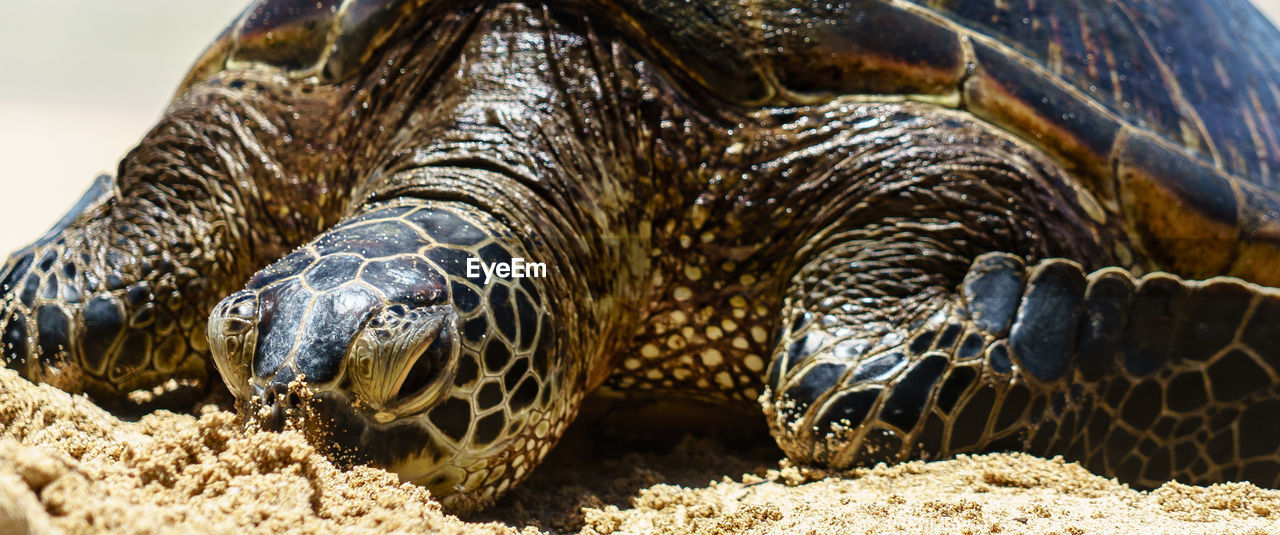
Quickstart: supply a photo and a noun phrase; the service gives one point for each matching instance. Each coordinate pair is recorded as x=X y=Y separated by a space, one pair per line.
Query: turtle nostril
x=279 y=397
x=277 y=405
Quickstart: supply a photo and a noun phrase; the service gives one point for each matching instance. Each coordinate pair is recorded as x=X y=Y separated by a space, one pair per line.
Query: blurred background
x=83 y=80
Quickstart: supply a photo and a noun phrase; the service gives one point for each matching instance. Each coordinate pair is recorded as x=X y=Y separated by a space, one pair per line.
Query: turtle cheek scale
x=350 y=429
x=233 y=338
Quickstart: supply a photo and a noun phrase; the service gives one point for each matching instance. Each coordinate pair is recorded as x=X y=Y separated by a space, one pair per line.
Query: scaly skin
x=204 y=200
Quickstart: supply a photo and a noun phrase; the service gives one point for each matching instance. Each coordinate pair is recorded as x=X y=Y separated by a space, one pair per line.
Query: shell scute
x=1014 y=95
x=293 y=35
x=1146 y=62
x=862 y=46
x=1185 y=212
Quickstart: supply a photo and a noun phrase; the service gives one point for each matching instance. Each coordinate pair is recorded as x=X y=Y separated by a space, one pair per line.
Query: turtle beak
x=327 y=418
x=341 y=431
x=281 y=402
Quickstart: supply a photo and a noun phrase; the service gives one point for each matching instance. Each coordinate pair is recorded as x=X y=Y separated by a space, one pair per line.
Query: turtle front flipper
x=111 y=301
x=1141 y=379
x=407 y=338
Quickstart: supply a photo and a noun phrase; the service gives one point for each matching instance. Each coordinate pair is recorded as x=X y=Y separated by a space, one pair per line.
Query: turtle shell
x=327 y=39
x=1168 y=111
x=1200 y=75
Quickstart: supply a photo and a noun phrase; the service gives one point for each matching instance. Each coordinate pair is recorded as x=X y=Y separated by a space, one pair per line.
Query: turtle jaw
x=348 y=432
x=411 y=447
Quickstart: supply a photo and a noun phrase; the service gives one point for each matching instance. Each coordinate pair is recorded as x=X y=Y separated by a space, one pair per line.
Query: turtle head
x=377 y=342
x=349 y=317
x=378 y=360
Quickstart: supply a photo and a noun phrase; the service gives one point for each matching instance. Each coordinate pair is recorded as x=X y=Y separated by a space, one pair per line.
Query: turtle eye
x=403 y=357
x=233 y=338
x=426 y=370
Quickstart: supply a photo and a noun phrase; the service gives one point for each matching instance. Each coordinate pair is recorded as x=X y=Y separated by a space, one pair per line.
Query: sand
x=66 y=466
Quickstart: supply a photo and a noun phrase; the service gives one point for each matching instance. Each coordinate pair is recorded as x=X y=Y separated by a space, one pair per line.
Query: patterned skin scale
x=943 y=240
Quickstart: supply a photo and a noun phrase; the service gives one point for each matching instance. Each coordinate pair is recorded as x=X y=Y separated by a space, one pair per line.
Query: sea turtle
x=425 y=230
